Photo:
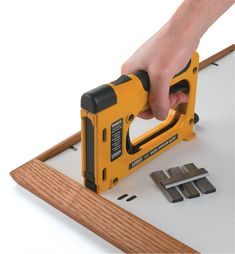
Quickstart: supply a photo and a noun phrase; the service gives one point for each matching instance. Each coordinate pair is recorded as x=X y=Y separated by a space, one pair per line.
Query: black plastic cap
x=122 y=79
x=91 y=186
x=196 y=118
x=98 y=99
x=144 y=78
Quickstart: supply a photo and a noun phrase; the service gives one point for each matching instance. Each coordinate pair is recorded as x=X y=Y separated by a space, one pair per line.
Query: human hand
x=169 y=50
x=162 y=56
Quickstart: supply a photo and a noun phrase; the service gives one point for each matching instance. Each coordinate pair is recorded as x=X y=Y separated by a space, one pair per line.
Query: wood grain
x=59 y=148
x=216 y=56
x=119 y=227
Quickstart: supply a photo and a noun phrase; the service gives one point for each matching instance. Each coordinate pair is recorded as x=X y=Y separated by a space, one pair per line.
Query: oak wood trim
x=216 y=56
x=65 y=144
x=114 y=224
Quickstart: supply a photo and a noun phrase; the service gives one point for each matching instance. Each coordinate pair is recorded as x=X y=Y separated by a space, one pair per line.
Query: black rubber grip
x=144 y=78
x=181 y=86
x=90 y=155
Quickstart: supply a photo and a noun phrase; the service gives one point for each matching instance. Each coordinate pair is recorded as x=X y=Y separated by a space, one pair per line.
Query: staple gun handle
x=179 y=87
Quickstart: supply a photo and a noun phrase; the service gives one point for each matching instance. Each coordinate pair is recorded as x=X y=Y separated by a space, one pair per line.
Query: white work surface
x=205 y=223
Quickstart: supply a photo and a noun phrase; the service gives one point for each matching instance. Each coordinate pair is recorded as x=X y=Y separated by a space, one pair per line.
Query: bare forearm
x=194 y=17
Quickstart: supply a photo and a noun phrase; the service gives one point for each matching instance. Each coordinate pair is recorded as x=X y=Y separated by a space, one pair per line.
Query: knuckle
x=161 y=116
x=125 y=67
x=160 y=74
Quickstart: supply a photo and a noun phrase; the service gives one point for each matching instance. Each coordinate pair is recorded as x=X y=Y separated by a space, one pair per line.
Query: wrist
x=183 y=33
x=194 y=17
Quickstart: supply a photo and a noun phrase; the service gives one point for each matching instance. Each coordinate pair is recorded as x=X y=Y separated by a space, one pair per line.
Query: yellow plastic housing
x=132 y=99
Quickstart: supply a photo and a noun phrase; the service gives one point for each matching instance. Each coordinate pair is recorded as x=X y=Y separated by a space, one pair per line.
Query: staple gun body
x=108 y=154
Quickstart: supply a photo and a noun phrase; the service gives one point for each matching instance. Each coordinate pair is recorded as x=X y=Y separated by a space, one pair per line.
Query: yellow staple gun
x=108 y=154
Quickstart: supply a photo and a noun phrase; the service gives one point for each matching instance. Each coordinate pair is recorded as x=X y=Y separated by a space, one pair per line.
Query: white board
x=206 y=223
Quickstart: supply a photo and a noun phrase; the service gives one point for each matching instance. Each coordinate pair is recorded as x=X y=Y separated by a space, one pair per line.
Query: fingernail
x=161 y=115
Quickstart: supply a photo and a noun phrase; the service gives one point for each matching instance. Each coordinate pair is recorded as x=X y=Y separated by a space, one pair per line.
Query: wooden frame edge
x=111 y=222
x=216 y=56
x=60 y=147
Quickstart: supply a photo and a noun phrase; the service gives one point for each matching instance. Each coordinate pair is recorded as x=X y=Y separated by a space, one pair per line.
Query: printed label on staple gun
x=116 y=139
x=153 y=151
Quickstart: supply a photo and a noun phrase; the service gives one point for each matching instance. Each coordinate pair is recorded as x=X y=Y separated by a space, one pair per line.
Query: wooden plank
x=119 y=227
x=65 y=144
x=216 y=56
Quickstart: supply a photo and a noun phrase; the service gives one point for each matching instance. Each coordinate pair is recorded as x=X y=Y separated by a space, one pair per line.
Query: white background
x=50 y=53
